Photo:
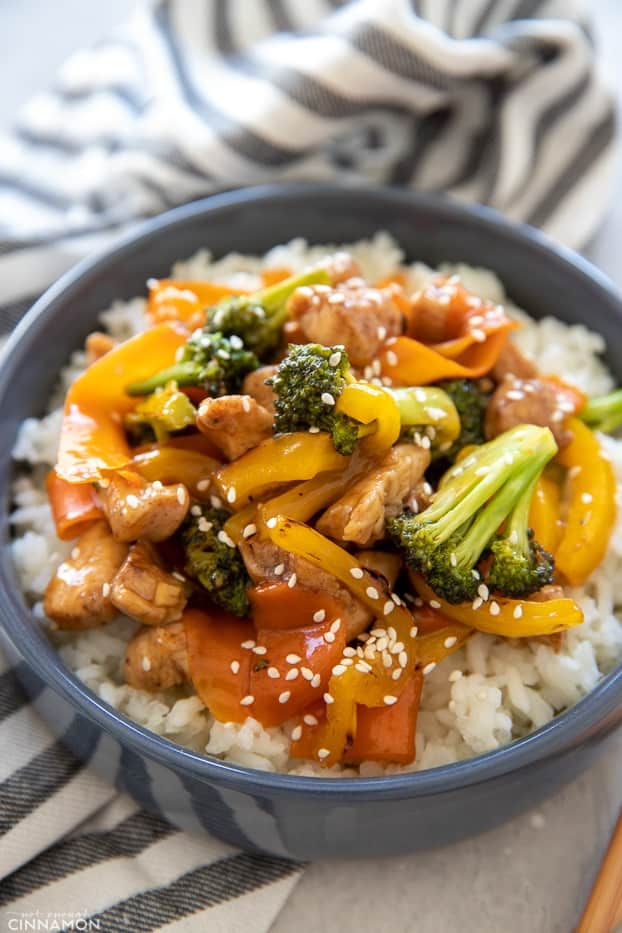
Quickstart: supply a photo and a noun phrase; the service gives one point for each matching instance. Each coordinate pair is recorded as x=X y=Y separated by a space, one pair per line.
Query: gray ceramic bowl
x=281 y=814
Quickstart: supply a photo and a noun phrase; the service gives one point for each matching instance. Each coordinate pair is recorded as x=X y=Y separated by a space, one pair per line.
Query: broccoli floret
x=604 y=413
x=213 y=362
x=164 y=412
x=447 y=540
x=213 y=560
x=307 y=385
x=471 y=402
x=258 y=318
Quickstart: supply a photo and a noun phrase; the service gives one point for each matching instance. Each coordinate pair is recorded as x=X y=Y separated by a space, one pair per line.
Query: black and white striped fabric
x=489 y=100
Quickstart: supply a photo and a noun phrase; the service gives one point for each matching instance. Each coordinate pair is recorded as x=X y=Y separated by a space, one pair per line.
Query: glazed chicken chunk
x=97 y=345
x=359 y=515
x=526 y=401
x=354 y=315
x=145 y=591
x=234 y=423
x=79 y=594
x=255 y=385
x=157 y=658
x=151 y=511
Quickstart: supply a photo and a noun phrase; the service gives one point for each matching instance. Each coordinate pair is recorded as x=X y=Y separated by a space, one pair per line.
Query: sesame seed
x=296 y=733
x=396 y=599
x=426 y=443
x=338 y=670
x=292 y=674
x=249 y=530
x=236 y=342
x=335 y=626
x=455 y=675
x=482 y=471
x=328 y=699
x=271 y=523
x=402 y=659
x=388 y=607
x=224 y=538
x=273 y=673
x=429 y=667
x=322 y=753
x=396 y=674
x=392 y=633
x=453 y=560
x=235 y=667
x=247 y=700
x=381 y=332
x=292 y=581
x=362 y=667
x=204 y=525
x=518 y=612
x=105 y=590
x=246 y=403
x=434 y=604
x=382 y=643
x=387 y=660
x=349 y=652
x=391 y=357
x=413 y=631
x=450 y=642
x=478 y=335
x=586 y=498
x=75 y=553
x=319 y=616
x=314 y=430
x=515 y=394
x=196 y=511
x=483 y=591
x=329 y=637
x=372 y=592
x=310 y=720
x=181 y=495
x=475 y=574
x=284 y=697
x=327 y=398
x=202 y=485
x=317 y=680
x=145 y=663
x=495 y=609
x=293 y=659
x=389 y=699
x=279 y=569
x=156 y=484
x=260 y=649
x=307 y=673
x=215 y=502
x=334 y=359
x=477 y=602
x=231 y=495
x=132 y=501
x=356 y=572
x=249 y=644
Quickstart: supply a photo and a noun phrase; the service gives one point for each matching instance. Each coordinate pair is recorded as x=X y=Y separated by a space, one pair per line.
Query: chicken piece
x=550 y=591
x=512 y=362
x=255 y=385
x=157 y=658
x=151 y=511
x=341 y=267
x=234 y=423
x=145 y=591
x=526 y=401
x=97 y=345
x=359 y=515
x=266 y=561
x=354 y=315
x=78 y=595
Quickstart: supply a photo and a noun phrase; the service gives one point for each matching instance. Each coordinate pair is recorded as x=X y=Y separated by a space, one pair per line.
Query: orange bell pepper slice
x=184 y=300
x=387 y=734
x=74 y=508
x=279 y=606
x=93 y=441
x=592 y=507
x=409 y=362
x=274 y=275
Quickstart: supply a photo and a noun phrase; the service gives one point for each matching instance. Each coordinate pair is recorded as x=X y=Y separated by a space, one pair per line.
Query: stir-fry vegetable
x=544 y=513
x=164 y=412
x=74 y=507
x=177 y=465
x=447 y=540
x=184 y=300
x=592 y=506
x=604 y=413
x=212 y=558
x=471 y=401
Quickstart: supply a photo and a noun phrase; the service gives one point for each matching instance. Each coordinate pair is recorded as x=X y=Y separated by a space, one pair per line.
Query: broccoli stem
x=273 y=297
x=186 y=373
x=604 y=413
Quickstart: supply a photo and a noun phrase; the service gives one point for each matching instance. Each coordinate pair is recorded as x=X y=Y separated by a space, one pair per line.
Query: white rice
x=483 y=696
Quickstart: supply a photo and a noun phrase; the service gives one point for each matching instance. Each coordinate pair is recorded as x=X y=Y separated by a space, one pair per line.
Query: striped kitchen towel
x=488 y=100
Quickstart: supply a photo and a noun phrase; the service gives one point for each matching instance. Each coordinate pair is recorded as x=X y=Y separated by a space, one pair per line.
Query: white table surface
x=531 y=875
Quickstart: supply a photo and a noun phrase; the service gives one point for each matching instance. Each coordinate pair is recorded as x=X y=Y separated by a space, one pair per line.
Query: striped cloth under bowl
x=489 y=101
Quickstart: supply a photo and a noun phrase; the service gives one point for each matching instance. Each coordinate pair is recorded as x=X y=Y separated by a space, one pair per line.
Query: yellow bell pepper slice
x=92 y=441
x=515 y=618
x=278 y=460
x=369 y=683
x=175 y=465
x=544 y=513
x=592 y=506
x=369 y=403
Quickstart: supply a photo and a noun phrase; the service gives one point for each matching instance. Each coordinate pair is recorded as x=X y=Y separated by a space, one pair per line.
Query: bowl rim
x=588 y=718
